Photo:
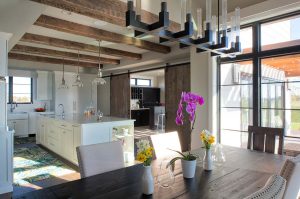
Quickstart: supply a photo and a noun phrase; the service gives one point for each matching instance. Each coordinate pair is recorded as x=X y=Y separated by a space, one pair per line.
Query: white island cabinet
x=63 y=135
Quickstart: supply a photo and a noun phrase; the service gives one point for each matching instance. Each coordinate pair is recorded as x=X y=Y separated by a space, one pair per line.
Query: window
x=235 y=102
x=261 y=87
x=281 y=93
x=19 y=90
x=140 y=82
x=246 y=40
x=280 y=33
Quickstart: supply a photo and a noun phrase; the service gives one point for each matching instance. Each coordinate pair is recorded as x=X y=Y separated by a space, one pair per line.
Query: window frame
x=136 y=80
x=255 y=56
x=11 y=94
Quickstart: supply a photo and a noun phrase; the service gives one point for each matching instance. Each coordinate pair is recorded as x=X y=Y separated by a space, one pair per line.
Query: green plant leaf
x=178 y=152
x=172 y=162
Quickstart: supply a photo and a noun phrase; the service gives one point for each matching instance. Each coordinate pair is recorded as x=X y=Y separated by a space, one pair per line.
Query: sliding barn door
x=120 y=96
x=178 y=79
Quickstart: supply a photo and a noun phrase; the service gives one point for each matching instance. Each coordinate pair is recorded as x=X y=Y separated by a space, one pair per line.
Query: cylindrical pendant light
x=138 y=6
x=183 y=14
x=208 y=11
x=199 y=23
x=224 y=15
x=238 y=21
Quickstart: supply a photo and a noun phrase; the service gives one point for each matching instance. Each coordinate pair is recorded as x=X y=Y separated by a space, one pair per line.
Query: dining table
x=241 y=173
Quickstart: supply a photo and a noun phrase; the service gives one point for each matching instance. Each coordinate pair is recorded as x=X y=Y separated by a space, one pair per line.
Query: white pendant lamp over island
x=78 y=83
x=99 y=79
x=63 y=84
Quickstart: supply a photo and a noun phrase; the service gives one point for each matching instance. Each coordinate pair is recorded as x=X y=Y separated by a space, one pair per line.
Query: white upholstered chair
x=163 y=142
x=99 y=158
x=291 y=172
x=273 y=189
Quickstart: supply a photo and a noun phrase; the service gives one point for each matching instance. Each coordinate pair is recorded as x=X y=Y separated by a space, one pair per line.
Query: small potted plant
x=144 y=155
x=207 y=139
x=188 y=163
x=189 y=101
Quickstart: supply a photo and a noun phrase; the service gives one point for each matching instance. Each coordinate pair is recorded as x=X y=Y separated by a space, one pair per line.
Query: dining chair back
x=291 y=172
x=273 y=189
x=163 y=142
x=264 y=139
x=99 y=158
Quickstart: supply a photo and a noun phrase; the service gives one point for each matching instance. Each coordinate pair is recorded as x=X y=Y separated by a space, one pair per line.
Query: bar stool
x=161 y=121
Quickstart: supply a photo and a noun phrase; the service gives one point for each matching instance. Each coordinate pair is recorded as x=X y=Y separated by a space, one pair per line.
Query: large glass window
x=280 y=33
x=236 y=102
x=19 y=90
x=246 y=40
x=268 y=84
x=281 y=93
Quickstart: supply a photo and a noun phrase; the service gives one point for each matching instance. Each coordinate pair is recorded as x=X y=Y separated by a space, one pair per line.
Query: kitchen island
x=63 y=134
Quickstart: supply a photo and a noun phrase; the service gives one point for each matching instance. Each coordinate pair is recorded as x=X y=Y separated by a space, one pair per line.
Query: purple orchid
x=191 y=100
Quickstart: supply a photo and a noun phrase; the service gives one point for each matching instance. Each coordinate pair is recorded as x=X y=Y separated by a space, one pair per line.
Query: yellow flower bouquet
x=144 y=152
x=207 y=138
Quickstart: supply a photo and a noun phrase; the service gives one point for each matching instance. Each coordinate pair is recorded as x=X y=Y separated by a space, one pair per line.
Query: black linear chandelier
x=213 y=37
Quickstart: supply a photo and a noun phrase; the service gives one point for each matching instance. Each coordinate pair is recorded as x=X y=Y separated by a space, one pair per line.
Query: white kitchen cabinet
x=76 y=140
x=67 y=140
x=64 y=135
x=44 y=85
x=19 y=126
x=3 y=57
x=40 y=137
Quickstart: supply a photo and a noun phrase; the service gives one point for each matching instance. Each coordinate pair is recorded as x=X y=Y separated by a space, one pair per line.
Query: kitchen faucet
x=63 y=110
x=13 y=106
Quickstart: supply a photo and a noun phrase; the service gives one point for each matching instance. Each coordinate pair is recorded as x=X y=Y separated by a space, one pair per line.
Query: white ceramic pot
x=207 y=161
x=147 y=180
x=188 y=168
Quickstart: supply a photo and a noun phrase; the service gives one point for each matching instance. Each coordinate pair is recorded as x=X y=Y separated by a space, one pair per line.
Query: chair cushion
x=273 y=189
x=100 y=158
x=291 y=172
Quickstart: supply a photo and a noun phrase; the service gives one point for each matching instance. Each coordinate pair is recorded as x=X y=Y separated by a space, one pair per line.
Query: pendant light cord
x=78 y=63
x=99 y=41
x=63 y=77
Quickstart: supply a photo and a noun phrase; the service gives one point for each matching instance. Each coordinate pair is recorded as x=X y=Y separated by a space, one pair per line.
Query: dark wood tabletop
x=243 y=173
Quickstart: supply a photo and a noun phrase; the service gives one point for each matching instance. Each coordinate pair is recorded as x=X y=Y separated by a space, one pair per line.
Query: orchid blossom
x=191 y=101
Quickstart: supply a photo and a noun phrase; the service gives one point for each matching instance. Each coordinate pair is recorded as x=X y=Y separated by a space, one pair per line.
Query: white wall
x=104 y=97
x=161 y=84
x=203 y=82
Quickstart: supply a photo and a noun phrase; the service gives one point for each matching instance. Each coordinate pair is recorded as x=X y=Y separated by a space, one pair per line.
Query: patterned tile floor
x=37 y=168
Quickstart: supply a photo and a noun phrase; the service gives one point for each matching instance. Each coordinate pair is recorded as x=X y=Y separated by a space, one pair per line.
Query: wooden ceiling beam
x=111 y=11
x=49 y=60
x=95 y=33
x=61 y=54
x=60 y=43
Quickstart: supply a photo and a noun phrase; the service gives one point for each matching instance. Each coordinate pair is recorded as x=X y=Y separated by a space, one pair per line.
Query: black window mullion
x=10 y=90
x=256 y=75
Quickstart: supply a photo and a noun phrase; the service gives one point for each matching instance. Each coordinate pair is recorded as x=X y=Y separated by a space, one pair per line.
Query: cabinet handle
x=63 y=125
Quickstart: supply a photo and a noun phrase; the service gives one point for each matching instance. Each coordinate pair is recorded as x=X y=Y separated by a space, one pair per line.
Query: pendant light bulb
x=78 y=81
x=99 y=80
x=63 y=84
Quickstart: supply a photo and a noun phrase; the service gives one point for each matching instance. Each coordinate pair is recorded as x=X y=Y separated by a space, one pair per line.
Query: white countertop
x=81 y=119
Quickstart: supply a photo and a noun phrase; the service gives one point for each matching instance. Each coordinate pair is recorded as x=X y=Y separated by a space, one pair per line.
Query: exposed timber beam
x=60 y=43
x=95 y=33
x=111 y=11
x=61 y=54
x=32 y=58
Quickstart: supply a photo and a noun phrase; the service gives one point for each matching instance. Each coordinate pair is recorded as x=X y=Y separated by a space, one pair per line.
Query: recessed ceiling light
x=100 y=23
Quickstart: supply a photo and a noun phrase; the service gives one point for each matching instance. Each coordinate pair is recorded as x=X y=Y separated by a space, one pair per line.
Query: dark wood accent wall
x=177 y=79
x=120 y=96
